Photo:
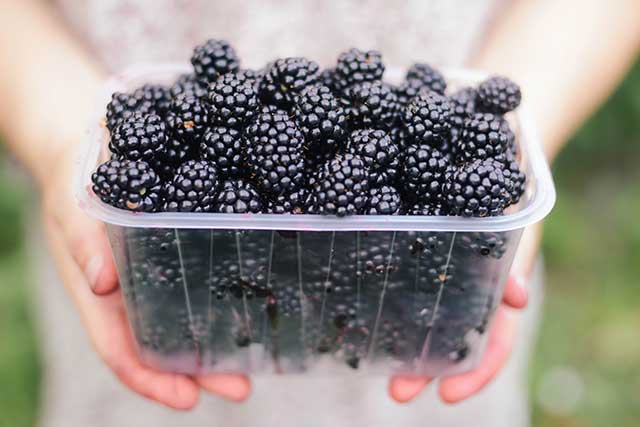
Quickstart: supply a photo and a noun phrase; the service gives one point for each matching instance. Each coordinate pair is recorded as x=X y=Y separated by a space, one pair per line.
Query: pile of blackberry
x=292 y=138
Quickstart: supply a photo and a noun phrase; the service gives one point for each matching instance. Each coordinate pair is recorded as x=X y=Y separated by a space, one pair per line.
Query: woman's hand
x=459 y=387
x=83 y=258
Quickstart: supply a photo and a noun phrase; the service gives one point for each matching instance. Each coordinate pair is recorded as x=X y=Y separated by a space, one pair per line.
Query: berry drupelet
x=226 y=147
x=484 y=135
x=238 y=196
x=479 y=189
x=187 y=118
x=384 y=200
x=214 y=58
x=498 y=95
x=379 y=154
x=357 y=66
x=123 y=106
x=424 y=174
x=127 y=184
x=139 y=137
x=321 y=118
x=372 y=104
x=427 y=118
x=341 y=187
x=232 y=102
x=193 y=188
x=285 y=79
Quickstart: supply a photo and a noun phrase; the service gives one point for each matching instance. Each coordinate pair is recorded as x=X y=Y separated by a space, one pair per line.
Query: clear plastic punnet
x=261 y=293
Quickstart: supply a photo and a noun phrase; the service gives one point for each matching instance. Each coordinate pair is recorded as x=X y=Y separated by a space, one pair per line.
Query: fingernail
x=92 y=270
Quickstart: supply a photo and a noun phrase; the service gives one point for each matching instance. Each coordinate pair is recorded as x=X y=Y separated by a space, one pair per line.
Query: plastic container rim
x=540 y=204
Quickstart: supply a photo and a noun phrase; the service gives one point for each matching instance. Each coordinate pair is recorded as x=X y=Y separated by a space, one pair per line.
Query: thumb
x=86 y=241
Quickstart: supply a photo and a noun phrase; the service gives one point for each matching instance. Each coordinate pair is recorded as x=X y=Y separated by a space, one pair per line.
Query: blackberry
x=175 y=153
x=123 y=106
x=187 y=118
x=128 y=184
x=384 y=200
x=372 y=104
x=232 y=102
x=139 y=137
x=427 y=118
x=321 y=119
x=485 y=244
x=275 y=159
x=484 y=135
x=479 y=189
x=420 y=77
x=193 y=188
x=289 y=203
x=431 y=78
x=424 y=174
x=341 y=187
x=356 y=66
x=498 y=95
x=238 y=196
x=286 y=78
x=190 y=85
x=379 y=153
x=213 y=58
x=225 y=147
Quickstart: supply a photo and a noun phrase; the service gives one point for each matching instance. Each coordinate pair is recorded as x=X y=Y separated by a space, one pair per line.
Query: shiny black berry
x=232 y=102
x=498 y=95
x=427 y=118
x=226 y=147
x=378 y=152
x=214 y=58
x=128 y=184
x=194 y=188
x=285 y=79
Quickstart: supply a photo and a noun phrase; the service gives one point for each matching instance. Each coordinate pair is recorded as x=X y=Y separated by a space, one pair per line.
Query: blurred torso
x=122 y=32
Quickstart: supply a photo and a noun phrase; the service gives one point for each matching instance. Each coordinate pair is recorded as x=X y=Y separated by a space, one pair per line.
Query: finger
x=230 y=386
x=86 y=240
x=106 y=323
x=515 y=294
x=403 y=388
x=459 y=387
x=117 y=350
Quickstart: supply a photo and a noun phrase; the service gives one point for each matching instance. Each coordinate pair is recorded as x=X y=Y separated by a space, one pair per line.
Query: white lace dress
x=80 y=391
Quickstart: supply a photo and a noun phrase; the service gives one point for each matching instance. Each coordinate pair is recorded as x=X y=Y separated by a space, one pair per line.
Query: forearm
x=567 y=55
x=48 y=84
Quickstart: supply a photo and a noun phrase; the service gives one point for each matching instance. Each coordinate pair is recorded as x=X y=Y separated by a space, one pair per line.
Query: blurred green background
x=586 y=365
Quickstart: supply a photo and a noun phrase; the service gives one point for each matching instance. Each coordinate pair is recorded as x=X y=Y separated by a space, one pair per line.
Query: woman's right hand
x=84 y=261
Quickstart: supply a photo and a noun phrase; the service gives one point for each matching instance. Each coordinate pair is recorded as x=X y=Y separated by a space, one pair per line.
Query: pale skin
x=567 y=55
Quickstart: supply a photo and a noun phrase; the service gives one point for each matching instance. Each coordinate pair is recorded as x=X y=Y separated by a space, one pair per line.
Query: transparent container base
x=286 y=301
x=305 y=293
